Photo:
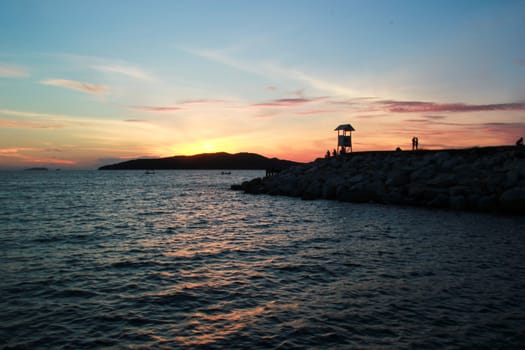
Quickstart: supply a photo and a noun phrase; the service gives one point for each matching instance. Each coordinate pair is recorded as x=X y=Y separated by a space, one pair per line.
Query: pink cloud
x=370 y=116
x=316 y=111
x=14 y=150
x=17 y=153
x=6 y=123
x=202 y=102
x=288 y=102
x=508 y=128
x=51 y=161
x=424 y=107
x=96 y=89
x=157 y=109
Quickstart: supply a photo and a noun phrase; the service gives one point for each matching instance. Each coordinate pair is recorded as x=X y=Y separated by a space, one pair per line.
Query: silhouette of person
x=519 y=142
x=327 y=155
x=417 y=143
x=334 y=152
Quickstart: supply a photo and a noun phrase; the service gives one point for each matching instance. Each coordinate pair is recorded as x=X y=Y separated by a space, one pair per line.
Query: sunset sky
x=88 y=83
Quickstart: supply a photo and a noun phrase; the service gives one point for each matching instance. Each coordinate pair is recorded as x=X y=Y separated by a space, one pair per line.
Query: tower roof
x=345 y=127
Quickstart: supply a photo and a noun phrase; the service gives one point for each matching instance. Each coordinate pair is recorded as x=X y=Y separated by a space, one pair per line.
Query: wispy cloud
x=370 y=116
x=24 y=154
x=313 y=81
x=56 y=120
x=220 y=56
x=17 y=124
x=13 y=150
x=203 y=102
x=96 y=89
x=7 y=71
x=266 y=69
x=126 y=70
x=103 y=64
x=435 y=117
x=425 y=107
x=157 y=109
x=10 y=112
x=432 y=124
x=316 y=111
x=288 y=102
x=135 y=121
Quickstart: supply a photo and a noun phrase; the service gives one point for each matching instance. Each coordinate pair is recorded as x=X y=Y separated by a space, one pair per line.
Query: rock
x=254 y=186
x=313 y=191
x=423 y=173
x=457 y=202
x=484 y=179
x=342 y=193
x=329 y=189
x=398 y=178
x=416 y=191
x=486 y=203
x=394 y=197
x=512 y=178
x=358 y=195
x=513 y=200
x=441 y=200
x=443 y=180
x=236 y=187
x=356 y=179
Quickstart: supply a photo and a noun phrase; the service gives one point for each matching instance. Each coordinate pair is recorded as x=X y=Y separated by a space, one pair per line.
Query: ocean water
x=125 y=260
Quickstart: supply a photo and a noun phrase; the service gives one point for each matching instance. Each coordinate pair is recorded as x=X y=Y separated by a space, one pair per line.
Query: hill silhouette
x=221 y=160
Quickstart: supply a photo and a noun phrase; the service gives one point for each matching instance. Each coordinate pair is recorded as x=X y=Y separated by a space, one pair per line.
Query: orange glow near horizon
x=89 y=143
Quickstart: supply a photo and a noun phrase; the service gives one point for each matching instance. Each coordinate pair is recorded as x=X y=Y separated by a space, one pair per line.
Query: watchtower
x=344 y=138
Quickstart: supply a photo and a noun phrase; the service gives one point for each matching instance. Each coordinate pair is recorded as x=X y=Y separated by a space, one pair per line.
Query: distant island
x=37 y=169
x=212 y=161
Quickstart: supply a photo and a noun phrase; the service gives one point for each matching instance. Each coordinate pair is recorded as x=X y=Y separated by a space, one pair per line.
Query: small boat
x=149 y=172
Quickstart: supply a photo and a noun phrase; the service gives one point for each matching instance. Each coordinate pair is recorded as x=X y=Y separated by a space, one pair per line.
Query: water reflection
x=219 y=269
x=208 y=329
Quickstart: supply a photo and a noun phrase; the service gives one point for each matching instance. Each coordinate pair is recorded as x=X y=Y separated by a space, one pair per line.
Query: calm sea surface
x=125 y=260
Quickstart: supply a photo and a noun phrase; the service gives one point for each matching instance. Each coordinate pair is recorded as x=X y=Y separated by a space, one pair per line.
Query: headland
x=220 y=160
x=488 y=179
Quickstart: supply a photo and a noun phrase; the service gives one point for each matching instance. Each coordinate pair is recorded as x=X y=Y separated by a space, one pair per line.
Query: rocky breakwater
x=488 y=179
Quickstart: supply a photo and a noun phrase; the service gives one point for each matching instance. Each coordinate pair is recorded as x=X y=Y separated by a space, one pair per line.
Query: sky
x=89 y=83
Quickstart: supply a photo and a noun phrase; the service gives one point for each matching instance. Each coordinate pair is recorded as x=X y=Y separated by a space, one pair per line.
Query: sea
x=177 y=260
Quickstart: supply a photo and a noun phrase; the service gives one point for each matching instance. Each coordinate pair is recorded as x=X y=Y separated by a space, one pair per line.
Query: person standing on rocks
x=519 y=142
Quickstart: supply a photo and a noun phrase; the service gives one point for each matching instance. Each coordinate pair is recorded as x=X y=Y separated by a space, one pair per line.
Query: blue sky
x=85 y=82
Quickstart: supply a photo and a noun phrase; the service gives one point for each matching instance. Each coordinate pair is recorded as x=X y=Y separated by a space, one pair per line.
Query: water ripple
x=126 y=261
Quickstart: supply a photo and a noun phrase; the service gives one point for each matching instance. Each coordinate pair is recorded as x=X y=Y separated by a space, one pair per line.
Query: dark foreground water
x=125 y=260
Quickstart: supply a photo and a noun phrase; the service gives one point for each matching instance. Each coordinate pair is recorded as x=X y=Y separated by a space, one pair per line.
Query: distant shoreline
x=206 y=161
x=486 y=179
x=37 y=169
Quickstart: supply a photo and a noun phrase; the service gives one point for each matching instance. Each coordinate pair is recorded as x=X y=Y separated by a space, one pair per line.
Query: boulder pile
x=488 y=179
